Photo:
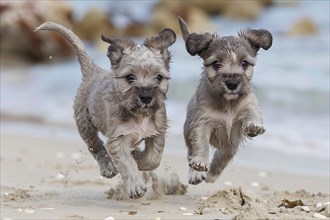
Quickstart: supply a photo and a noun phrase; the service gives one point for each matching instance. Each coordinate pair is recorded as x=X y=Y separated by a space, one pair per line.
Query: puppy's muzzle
x=231 y=84
x=145 y=96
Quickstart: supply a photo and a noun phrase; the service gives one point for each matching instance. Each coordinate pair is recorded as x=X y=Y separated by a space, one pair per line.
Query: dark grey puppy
x=224 y=109
x=126 y=104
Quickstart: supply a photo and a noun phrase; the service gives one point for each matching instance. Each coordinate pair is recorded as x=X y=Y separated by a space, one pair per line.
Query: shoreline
x=248 y=155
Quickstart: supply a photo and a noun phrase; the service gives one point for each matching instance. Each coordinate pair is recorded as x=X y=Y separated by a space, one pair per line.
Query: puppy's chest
x=219 y=119
x=224 y=124
x=137 y=130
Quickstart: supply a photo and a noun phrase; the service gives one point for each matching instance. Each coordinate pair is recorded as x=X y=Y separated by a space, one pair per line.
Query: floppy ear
x=162 y=42
x=115 y=50
x=195 y=43
x=260 y=38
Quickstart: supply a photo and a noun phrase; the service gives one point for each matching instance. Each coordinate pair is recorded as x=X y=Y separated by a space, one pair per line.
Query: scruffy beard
x=144 y=110
x=231 y=96
x=137 y=108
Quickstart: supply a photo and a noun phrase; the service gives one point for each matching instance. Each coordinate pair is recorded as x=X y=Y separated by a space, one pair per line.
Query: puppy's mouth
x=231 y=95
x=145 y=109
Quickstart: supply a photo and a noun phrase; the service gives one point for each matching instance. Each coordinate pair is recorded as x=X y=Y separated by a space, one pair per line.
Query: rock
x=162 y=17
x=305 y=208
x=304 y=27
x=165 y=14
x=206 y=210
x=19 y=42
x=94 y=23
x=197 y=19
x=242 y=10
x=319 y=216
x=209 y=7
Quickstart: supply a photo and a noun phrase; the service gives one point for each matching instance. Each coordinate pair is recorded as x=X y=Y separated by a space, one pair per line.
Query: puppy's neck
x=137 y=116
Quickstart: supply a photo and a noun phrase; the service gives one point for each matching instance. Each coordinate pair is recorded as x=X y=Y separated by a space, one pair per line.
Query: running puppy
x=224 y=109
x=126 y=104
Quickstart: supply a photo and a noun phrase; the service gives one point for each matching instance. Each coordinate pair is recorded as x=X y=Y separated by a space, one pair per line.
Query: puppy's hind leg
x=220 y=160
x=89 y=134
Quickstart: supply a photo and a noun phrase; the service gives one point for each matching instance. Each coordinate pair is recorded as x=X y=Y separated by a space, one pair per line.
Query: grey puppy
x=224 y=109
x=126 y=104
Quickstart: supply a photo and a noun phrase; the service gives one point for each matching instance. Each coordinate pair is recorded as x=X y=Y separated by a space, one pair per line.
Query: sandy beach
x=48 y=173
x=54 y=177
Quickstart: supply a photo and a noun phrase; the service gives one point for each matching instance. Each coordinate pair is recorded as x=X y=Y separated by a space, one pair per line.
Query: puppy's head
x=229 y=60
x=141 y=72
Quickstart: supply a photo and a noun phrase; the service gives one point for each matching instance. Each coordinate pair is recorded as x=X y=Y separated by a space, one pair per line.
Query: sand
x=51 y=177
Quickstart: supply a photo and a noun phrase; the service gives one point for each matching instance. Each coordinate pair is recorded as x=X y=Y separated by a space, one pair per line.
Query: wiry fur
x=111 y=102
x=224 y=109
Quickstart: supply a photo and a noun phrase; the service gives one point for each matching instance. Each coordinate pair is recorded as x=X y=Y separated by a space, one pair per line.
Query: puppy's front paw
x=107 y=167
x=199 y=164
x=195 y=177
x=136 y=188
x=253 y=129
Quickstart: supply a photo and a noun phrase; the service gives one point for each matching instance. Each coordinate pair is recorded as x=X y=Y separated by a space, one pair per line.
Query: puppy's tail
x=86 y=63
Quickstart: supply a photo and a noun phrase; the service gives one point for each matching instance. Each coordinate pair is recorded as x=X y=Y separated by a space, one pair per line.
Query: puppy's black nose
x=231 y=84
x=145 y=96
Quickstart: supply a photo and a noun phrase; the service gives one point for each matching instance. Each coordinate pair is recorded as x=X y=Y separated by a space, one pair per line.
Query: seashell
x=255 y=184
x=157 y=218
x=60 y=176
x=183 y=209
x=319 y=216
x=204 y=198
x=109 y=218
x=318 y=205
x=305 y=208
x=29 y=211
x=188 y=214
x=228 y=183
x=47 y=208
x=263 y=174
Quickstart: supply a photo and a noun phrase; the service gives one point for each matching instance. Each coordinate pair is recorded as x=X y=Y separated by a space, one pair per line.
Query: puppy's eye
x=216 y=65
x=159 y=78
x=130 y=78
x=244 y=64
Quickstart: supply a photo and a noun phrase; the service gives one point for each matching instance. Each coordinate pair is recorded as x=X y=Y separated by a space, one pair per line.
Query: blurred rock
x=165 y=15
x=94 y=23
x=136 y=29
x=197 y=19
x=243 y=10
x=239 y=10
x=18 y=41
x=304 y=27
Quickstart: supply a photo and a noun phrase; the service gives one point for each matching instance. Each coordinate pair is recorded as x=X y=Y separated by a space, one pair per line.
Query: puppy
x=125 y=104
x=224 y=109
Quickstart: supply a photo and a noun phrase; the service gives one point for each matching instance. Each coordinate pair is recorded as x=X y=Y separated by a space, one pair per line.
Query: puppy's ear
x=116 y=48
x=260 y=38
x=162 y=42
x=195 y=43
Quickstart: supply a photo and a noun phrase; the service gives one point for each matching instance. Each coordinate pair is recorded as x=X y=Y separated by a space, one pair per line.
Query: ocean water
x=291 y=80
